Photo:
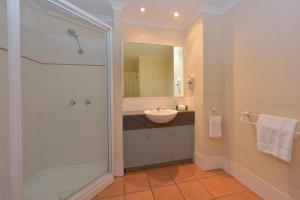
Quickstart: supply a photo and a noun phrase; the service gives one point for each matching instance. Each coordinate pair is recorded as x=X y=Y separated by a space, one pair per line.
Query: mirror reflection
x=152 y=70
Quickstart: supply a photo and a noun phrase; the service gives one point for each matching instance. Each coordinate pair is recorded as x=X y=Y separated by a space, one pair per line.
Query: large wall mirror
x=152 y=70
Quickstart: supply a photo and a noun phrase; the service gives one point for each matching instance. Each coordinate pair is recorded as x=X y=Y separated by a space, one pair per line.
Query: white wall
x=4 y=132
x=74 y=134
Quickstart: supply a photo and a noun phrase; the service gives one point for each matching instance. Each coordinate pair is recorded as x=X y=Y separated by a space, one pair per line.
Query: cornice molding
x=219 y=10
x=116 y=5
x=151 y=23
x=216 y=10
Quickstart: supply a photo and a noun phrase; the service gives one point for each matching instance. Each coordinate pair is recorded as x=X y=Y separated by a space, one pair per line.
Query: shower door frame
x=15 y=101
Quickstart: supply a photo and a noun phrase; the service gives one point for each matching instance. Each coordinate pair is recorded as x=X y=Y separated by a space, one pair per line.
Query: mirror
x=152 y=70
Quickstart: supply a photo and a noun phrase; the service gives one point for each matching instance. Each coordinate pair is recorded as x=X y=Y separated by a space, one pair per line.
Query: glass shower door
x=65 y=102
x=4 y=117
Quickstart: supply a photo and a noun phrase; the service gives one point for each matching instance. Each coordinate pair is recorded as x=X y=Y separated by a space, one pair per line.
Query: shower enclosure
x=65 y=102
x=4 y=130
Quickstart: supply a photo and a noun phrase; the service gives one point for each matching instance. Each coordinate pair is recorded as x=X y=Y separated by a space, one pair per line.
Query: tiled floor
x=176 y=182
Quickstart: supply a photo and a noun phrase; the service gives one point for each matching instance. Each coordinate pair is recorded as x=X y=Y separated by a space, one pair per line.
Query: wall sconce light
x=190 y=81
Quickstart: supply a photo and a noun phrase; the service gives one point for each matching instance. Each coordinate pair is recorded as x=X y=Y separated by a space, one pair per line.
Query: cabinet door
x=137 y=148
x=182 y=142
x=160 y=145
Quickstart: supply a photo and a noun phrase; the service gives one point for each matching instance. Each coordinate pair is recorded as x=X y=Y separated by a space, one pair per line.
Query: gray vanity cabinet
x=137 y=148
x=158 y=145
x=182 y=142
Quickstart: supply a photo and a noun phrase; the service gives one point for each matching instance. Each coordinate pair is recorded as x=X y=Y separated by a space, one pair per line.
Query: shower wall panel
x=76 y=134
x=31 y=93
x=4 y=130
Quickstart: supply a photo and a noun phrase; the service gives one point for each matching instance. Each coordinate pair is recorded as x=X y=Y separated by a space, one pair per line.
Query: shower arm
x=79 y=46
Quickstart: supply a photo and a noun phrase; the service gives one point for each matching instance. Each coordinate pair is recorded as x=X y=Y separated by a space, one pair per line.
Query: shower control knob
x=72 y=102
x=88 y=102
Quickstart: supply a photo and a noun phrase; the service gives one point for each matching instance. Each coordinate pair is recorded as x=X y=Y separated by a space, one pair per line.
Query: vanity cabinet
x=158 y=145
x=137 y=148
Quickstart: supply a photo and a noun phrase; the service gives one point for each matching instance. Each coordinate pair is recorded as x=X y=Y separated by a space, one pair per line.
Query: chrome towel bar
x=247 y=114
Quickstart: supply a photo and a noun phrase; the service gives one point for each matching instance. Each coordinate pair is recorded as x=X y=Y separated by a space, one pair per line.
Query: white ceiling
x=159 y=12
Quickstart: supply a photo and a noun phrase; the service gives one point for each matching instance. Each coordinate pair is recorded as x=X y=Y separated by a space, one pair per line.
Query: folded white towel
x=215 y=126
x=275 y=136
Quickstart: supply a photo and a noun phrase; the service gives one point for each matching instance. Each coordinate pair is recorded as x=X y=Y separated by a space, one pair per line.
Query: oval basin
x=161 y=116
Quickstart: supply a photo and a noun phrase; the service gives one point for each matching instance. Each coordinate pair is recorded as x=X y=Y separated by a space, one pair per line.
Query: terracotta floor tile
x=144 y=195
x=192 y=184
x=159 y=177
x=234 y=184
x=122 y=197
x=169 y=192
x=193 y=190
x=115 y=189
x=181 y=173
x=242 y=196
x=136 y=181
x=198 y=172
x=216 y=186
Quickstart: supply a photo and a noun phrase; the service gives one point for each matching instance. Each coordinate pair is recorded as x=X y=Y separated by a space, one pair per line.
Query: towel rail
x=248 y=114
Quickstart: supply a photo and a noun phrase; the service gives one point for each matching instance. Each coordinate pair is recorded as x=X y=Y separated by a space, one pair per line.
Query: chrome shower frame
x=15 y=103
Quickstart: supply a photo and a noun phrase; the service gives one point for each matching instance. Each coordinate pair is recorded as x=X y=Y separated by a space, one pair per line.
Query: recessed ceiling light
x=142 y=9
x=176 y=14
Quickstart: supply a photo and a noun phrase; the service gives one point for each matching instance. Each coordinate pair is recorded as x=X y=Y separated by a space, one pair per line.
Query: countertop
x=137 y=120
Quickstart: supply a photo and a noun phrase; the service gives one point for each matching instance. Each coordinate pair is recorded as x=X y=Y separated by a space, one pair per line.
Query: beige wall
x=250 y=61
x=262 y=46
x=152 y=35
x=193 y=64
x=203 y=59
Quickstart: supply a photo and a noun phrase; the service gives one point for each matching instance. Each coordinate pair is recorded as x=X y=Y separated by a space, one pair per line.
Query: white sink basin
x=161 y=116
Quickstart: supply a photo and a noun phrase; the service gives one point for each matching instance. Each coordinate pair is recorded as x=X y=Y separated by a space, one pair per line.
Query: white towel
x=215 y=126
x=275 y=136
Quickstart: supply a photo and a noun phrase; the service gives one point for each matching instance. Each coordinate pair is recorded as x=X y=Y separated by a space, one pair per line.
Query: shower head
x=72 y=33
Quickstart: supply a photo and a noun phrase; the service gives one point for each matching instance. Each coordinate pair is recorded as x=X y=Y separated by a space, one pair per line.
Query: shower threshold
x=59 y=183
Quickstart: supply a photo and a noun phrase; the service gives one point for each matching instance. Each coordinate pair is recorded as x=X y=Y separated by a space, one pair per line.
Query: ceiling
x=158 y=12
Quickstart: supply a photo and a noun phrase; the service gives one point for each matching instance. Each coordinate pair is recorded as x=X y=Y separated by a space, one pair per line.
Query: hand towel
x=215 y=126
x=275 y=136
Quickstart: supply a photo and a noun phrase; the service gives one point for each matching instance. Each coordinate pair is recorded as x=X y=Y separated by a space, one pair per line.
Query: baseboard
x=119 y=168
x=94 y=188
x=262 y=188
x=210 y=162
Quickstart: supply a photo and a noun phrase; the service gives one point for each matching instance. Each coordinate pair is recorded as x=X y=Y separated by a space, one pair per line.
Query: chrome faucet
x=161 y=108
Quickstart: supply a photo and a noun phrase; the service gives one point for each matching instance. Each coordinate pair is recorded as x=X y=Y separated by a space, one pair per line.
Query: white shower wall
x=31 y=94
x=56 y=134
x=4 y=131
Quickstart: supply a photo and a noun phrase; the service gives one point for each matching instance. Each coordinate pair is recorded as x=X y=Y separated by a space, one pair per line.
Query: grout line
x=63 y=64
x=151 y=188
x=180 y=191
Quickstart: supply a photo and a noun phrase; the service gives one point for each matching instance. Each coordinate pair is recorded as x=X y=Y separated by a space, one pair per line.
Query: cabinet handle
x=169 y=134
x=147 y=137
x=174 y=134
